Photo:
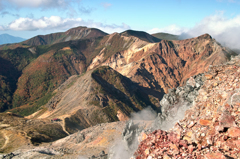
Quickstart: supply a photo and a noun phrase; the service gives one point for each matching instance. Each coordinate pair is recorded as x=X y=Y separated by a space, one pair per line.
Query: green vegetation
x=5 y=94
x=32 y=76
x=42 y=72
x=141 y=35
x=122 y=93
x=33 y=106
x=44 y=75
x=111 y=110
x=97 y=118
x=54 y=131
x=38 y=77
x=43 y=109
x=47 y=132
x=74 y=123
x=95 y=102
x=19 y=57
x=166 y=36
x=170 y=43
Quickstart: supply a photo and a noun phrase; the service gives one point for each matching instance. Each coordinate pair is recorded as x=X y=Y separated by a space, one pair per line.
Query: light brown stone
x=216 y=155
x=234 y=132
x=209 y=76
x=204 y=122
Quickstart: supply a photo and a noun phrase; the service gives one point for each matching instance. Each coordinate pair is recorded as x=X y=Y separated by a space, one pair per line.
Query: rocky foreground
x=211 y=128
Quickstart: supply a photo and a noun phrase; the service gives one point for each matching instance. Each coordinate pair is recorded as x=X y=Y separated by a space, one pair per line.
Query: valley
x=71 y=93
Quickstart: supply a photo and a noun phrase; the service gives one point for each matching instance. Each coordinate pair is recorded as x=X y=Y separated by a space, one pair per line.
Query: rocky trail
x=6 y=140
x=63 y=124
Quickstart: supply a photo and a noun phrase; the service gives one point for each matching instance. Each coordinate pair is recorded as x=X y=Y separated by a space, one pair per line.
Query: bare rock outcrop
x=210 y=129
x=168 y=64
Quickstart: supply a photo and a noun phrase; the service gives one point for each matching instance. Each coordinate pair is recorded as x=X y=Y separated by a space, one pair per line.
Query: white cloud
x=59 y=23
x=225 y=30
x=1 y=28
x=44 y=23
x=216 y=25
x=108 y=28
x=36 y=3
x=106 y=5
x=68 y=6
x=61 y=5
x=173 y=29
x=230 y=1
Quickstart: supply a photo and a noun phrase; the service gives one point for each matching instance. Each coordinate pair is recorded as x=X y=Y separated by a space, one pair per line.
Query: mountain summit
x=72 y=34
x=7 y=39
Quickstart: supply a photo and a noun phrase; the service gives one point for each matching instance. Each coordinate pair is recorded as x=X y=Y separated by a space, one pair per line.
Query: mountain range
x=8 y=39
x=84 y=77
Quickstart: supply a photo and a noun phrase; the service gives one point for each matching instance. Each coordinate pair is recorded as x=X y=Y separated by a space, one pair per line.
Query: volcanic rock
x=216 y=135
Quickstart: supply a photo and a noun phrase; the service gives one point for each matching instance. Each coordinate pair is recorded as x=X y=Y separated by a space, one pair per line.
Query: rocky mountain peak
x=205 y=36
x=85 y=31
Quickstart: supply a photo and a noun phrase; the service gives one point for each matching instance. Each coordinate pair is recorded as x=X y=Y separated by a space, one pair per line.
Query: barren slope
x=58 y=62
x=167 y=64
x=17 y=132
x=99 y=96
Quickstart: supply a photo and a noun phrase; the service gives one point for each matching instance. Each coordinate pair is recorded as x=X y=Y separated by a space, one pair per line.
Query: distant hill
x=72 y=34
x=7 y=39
x=236 y=51
x=166 y=36
x=141 y=35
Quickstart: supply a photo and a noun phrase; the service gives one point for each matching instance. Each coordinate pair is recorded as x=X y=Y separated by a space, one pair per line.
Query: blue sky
x=28 y=18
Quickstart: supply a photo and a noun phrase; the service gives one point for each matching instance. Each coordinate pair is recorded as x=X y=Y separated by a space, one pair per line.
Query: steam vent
x=210 y=129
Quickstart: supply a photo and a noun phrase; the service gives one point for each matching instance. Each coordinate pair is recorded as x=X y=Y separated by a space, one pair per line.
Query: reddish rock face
x=215 y=131
x=234 y=132
x=168 y=64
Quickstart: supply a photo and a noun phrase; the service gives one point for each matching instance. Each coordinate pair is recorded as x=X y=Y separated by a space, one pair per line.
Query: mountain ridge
x=135 y=58
x=71 y=34
x=97 y=79
x=141 y=35
x=7 y=39
x=166 y=36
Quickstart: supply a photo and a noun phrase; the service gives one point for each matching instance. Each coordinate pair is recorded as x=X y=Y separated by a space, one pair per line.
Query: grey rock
x=8 y=156
x=177 y=101
x=173 y=107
